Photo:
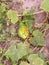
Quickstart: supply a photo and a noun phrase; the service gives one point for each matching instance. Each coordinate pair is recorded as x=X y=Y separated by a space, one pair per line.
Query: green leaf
x=24 y=63
x=0 y=26
x=35 y=60
x=14 y=64
x=2 y=12
x=17 y=51
x=41 y=55
x=13 y=32
x=12 y=15
x=25 y=12
x=2 y=37
x=11 y=53
x=23 y=50
x=2 y=20
x=38 y=39
x=29 y=20
x=0 y=51
x=33 y=41
x=28 y=12
x=8 y=39
x=1 y=64
x=2 y=7
x=45 y=5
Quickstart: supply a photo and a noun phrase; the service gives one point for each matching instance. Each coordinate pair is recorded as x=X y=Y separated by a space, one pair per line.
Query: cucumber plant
x=20 y=51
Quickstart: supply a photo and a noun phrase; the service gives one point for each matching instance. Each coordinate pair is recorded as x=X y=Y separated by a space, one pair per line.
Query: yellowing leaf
x=23 y=31
x=12 y=15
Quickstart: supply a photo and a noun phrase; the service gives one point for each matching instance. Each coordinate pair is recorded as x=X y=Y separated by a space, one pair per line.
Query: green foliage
x=8 y=39
x=35 y=60
x=45 y=5
x=12 y=15
x=13 y=32
x=2 y=9
x=29 y=24
x=1 y=64
x=41 y=55
x=0 y=51
x=28 y=12
x=2 y=20
x=32 y=41
x=14 y=64
x=17 y=51
x=47 y=63
x=24 y=63
x=28 y=19
x=37 y=39
x=21 y=51
x=2 y=12
x=0 y=26
x=3 y=35
x=25 y=12
x=11 y=53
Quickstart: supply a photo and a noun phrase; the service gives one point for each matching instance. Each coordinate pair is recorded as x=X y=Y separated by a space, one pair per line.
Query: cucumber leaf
x=17 y=51
x=24 y=63
x=12 y=15
x=45 y=5
x=35 y=60
x=37 y=39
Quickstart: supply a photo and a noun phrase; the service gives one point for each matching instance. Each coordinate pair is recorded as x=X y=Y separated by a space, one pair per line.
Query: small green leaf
x=0 y=26
x=28 y=12
x=38 y=39
x=12 y=15
x=35 y=60
x=2 y=14
x=14 y=64
x=3 y=7
x=41 y=55
x=11 y=53
x=24 y=63
x=45 y=5
x=8 y=39
x=29 y=24
x=28 y=19
x=0 y=51
x=33 y=41
x=13 y=32
x=25 y=12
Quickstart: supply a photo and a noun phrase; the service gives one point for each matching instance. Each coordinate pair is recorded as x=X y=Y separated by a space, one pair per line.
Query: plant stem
x=33 y=13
